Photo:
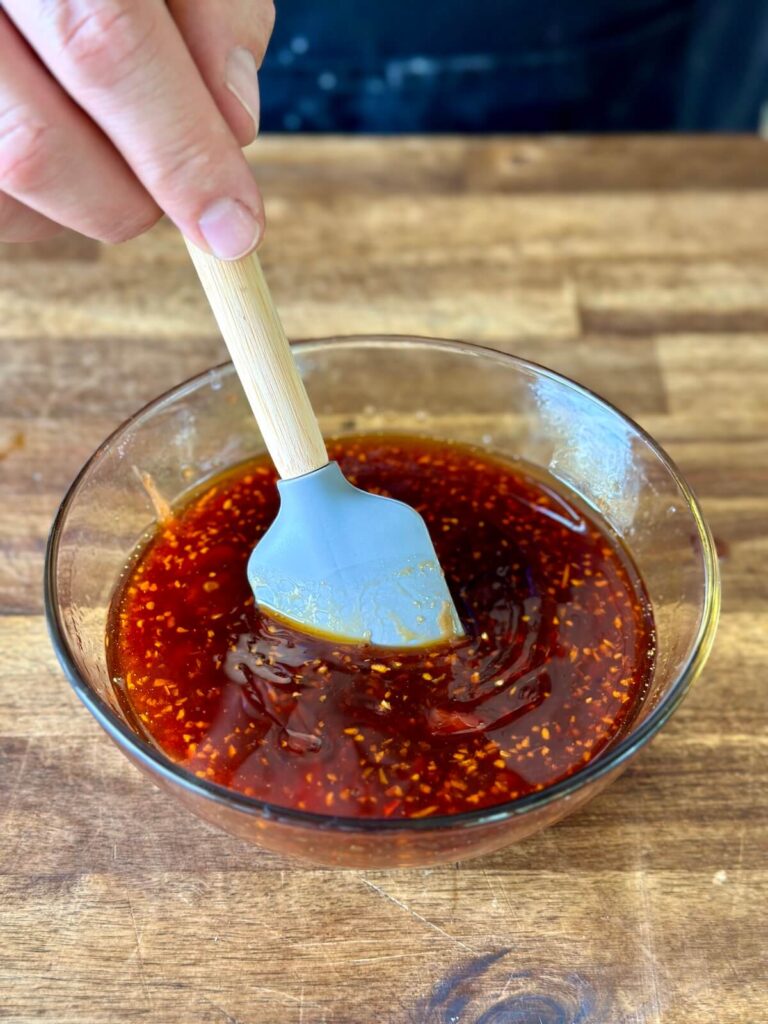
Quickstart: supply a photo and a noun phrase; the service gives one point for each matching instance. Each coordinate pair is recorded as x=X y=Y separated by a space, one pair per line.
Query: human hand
x=113 y=112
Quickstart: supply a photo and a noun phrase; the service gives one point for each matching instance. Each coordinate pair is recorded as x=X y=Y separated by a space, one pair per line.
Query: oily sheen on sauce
x=557 y=656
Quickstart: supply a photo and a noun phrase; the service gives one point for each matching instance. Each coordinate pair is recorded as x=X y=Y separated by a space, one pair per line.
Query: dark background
x=516 y=66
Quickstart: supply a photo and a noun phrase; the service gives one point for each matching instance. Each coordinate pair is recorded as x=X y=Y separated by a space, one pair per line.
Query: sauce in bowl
x=557 y=656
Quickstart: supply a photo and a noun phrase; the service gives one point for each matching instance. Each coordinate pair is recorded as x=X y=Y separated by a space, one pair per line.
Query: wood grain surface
x=638 y=266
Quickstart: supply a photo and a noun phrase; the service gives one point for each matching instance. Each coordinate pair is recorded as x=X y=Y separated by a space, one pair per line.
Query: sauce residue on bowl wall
x=557 y=658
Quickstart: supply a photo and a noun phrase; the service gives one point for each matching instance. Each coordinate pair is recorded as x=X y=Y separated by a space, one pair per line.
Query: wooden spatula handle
x=250 y=325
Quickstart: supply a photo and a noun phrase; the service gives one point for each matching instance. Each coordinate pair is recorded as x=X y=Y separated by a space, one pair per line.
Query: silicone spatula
x=336 y=560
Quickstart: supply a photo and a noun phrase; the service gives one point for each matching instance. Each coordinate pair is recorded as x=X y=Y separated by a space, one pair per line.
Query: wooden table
x=637 y=266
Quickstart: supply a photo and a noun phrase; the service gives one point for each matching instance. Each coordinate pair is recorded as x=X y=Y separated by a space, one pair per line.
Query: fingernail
x=229 y=228
x=243 y=81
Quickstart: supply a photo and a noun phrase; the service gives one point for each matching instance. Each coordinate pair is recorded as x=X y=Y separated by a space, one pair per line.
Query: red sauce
x=557 y=657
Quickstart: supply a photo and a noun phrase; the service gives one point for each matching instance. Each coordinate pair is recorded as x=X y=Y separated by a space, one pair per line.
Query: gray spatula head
x=343 y=562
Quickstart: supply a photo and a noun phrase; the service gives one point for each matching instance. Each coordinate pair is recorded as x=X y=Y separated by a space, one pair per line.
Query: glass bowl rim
x=157 y=762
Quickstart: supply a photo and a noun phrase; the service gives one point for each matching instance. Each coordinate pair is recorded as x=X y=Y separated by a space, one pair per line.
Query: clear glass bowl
x=440 y=389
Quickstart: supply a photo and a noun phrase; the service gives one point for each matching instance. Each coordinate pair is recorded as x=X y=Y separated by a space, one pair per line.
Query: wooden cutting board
x=638 y=266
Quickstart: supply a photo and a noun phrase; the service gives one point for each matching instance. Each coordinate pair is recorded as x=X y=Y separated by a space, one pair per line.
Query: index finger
x=227 y=41
x=124 y=62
